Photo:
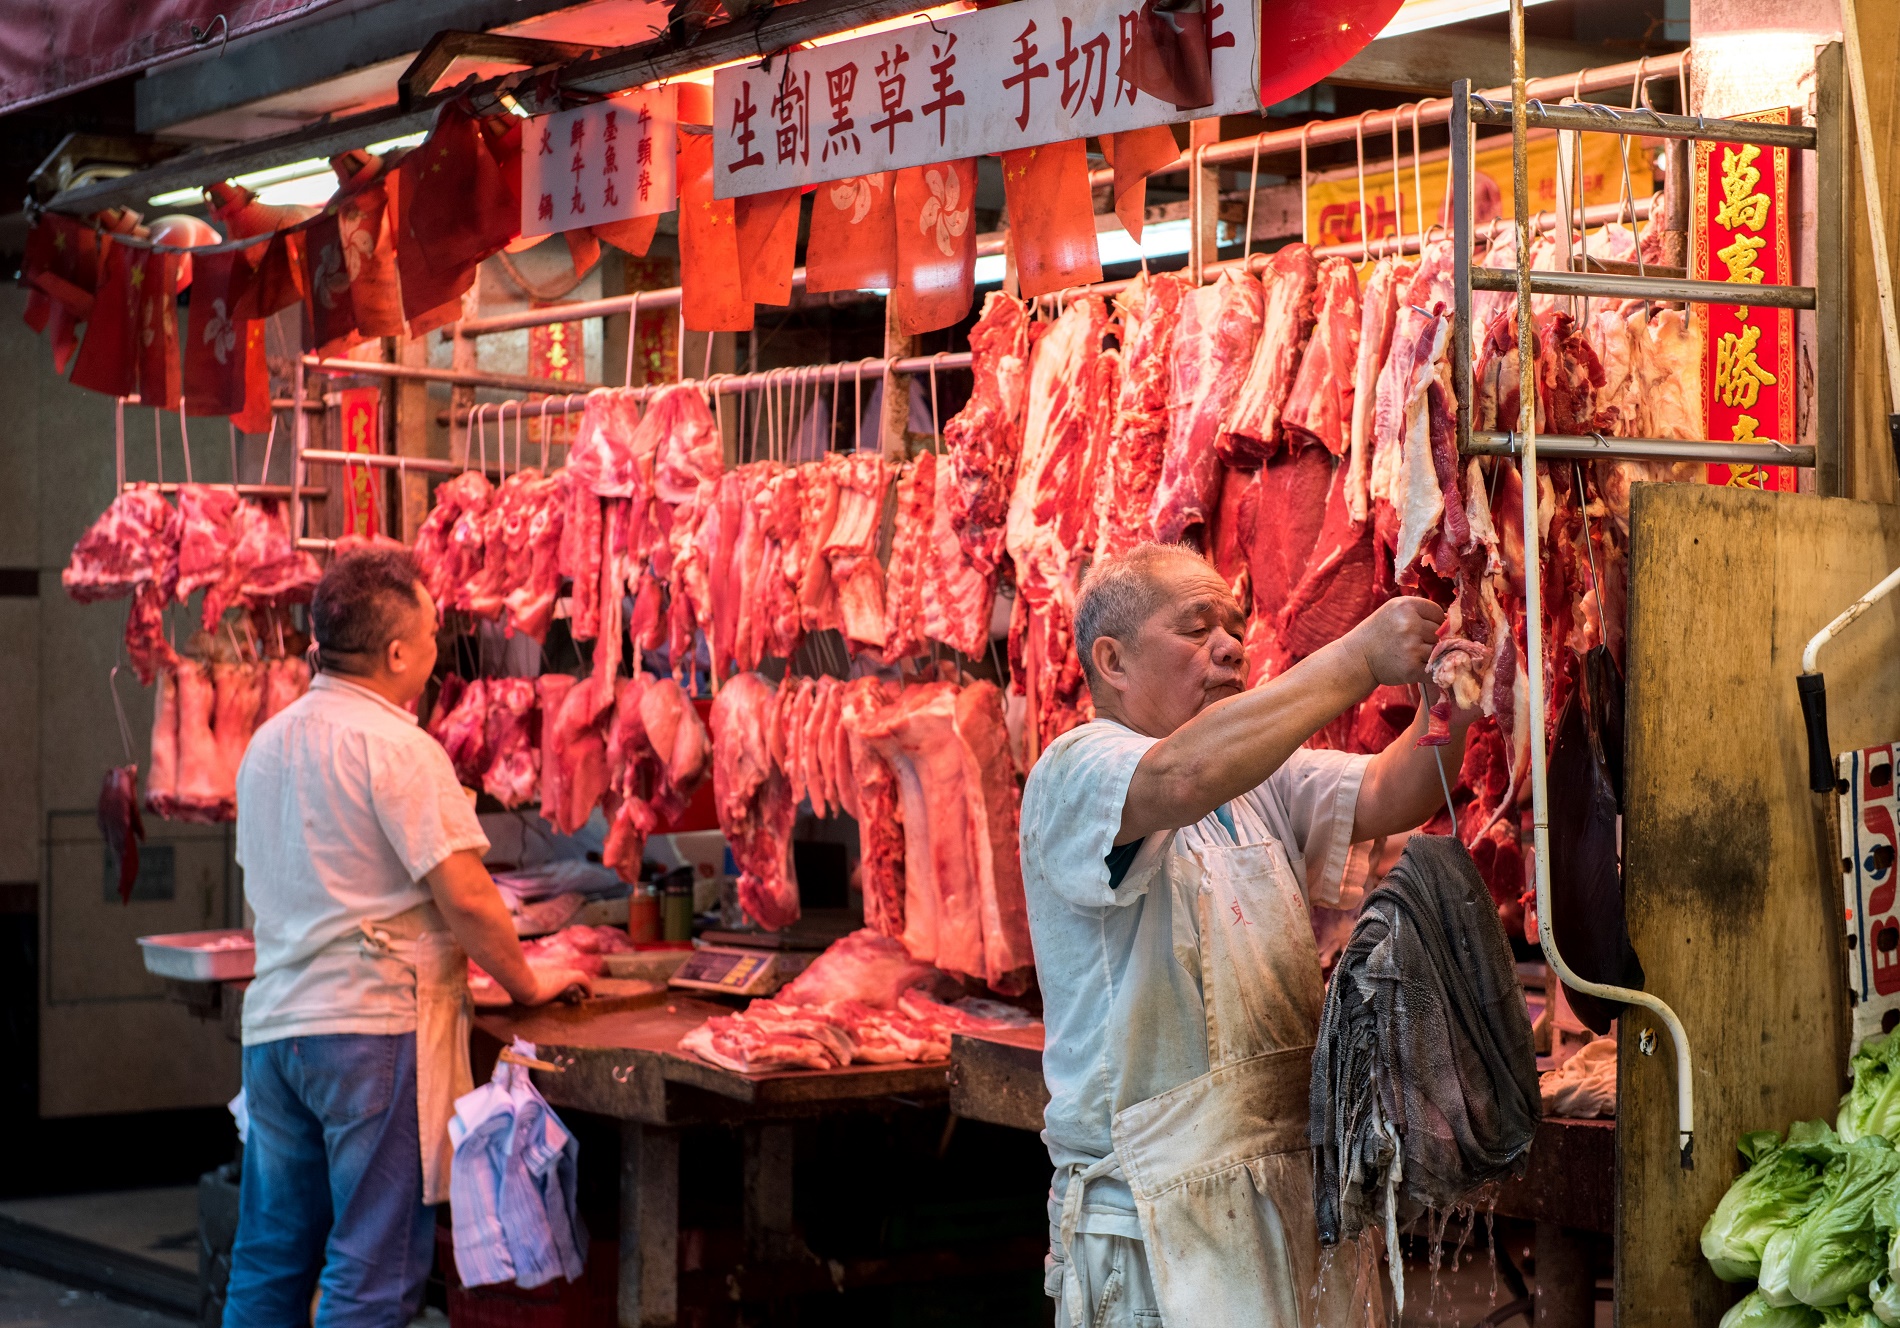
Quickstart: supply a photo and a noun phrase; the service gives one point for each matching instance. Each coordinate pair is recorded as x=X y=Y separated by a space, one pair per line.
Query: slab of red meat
x=161 y=770
x=791 y=710
x=687 y=463
x=1378 y=311
x=852 y=547
x=781 y=621
x=602 y=457
x=1251 y=431
x=1342 y=582
x=1232 y=532
x=448 y=547
x=615 y=566
x=285 y=680
x=121 y=824
x=133 y=543
x=1456 y=669
x=201 y=796
x=719 y=532
x=1066 y=428
x=531 y=534
x=1319 y=404
x=460 y=724
x=145 y=644
x=281 y=572
x=627 y=831
x=579 y=558
x=1568 y=376
x=910 y=550
x=551 y=691
x=1418 y=499
x=864 y=966
x=817 y=745
x=1047 y=674
x=976 y=476
x=573 y=751
x=879 y=813
x=1124 y=506
x=1007 y=959
x=1287 y=513
x=818 y=509
x=512 y=775
x=239 y=692
x=205 y=535
x=1213 y=347
x=755 y=807
x=680 y=744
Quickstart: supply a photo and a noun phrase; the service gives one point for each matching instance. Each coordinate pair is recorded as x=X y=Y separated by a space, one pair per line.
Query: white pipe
x=1876 y=213
x=1811 y=655
x=1534 y=629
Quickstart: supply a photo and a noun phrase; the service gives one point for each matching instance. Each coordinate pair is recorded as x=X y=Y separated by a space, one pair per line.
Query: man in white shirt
x=1171 y=849
x=362 y=862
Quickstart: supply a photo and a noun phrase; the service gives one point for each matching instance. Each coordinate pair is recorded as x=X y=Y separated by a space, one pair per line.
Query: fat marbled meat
x=754 y=802
x=1125 y=492
x=1253 y=431
x=1213 y=348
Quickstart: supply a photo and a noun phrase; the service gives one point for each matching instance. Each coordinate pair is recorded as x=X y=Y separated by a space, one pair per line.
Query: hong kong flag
x=853 y=242
x=154 y=278
x=712 y=291
x=768 y=244
x=370 y=257
x=278 y=280
x=330 y=314
x=215 y=335
x=108 y=358
x=1051 y=217
x=936 y=245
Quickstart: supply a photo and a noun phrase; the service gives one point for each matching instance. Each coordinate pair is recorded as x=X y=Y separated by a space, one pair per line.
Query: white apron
x=1220 y=1169
x=421 y=939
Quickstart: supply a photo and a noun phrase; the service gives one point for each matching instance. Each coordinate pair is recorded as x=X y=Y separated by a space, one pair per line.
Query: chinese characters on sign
x=1016 y=76
x=609 y=161
x=360 y=411
x=1740 y=234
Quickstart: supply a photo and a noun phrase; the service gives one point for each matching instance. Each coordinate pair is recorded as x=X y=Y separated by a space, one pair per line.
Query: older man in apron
x=1170 y=851
x=362 y=862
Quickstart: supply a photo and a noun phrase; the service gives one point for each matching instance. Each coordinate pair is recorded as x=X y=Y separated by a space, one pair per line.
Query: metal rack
x=1469 y=110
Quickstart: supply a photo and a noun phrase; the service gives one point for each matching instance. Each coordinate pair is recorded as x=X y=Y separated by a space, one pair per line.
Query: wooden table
x=624 y=1064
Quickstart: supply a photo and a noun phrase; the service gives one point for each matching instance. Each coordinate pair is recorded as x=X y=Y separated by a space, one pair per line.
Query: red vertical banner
x=655 y=331
x=559 y=351
x=361 y=412
x=936 y=245
x=1738 y=232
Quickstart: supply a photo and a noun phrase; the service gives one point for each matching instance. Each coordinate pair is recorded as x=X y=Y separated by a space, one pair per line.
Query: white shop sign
x=1023 y=74
x=612 y=160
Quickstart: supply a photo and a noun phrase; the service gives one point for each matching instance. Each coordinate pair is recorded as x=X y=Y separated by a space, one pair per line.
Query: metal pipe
x=1612 y=286
x=1533 y=616
x=414 y=373
x=1810 y=656
x=1598 y=447
x=1461 y=228
x=244 y=490
x=1588 y=117
x=384 y=461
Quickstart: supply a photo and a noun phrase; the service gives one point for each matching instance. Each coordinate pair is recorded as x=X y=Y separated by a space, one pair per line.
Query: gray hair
x=1119 y=594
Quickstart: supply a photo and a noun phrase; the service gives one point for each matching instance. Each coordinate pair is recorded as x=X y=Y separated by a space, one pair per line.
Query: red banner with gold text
x=361 y=412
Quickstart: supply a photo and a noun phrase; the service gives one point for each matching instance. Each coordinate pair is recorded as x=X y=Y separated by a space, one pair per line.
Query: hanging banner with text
x=1738 y=231
x=360 y=412
x=608 y=161
x=1017 y=76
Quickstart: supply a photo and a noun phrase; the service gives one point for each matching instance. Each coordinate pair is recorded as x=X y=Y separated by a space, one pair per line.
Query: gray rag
x=1424 y=1078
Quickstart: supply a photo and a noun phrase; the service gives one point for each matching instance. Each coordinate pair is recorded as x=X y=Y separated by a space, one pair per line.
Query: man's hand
x=553 y=984
x=472 y=907
x=1397 y=638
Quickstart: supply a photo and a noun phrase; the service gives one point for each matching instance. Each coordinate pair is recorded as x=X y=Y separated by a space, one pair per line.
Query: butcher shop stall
x=753 y=387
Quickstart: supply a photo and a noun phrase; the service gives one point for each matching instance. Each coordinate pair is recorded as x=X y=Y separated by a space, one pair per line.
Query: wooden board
x=1735 y=929
x=997 y=1077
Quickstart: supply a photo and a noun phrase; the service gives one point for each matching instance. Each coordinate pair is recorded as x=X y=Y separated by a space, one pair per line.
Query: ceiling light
x=310 y=182
x=1418 y=15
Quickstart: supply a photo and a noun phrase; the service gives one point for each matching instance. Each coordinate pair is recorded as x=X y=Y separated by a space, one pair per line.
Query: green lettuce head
x=1872 y=1105
x=1751 y=1311
x=1783 y=1180
x=1839 y=1247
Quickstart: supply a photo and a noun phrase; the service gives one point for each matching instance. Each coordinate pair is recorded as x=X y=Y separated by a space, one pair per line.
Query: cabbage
x=1838 y=1246
x=1842 y=1317
x=1783 y=1180
x=1886 y=1293
x=1751 y=1311
x=1872 y=1105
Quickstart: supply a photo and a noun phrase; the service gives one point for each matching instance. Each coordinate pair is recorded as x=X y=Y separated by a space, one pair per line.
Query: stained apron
x=420 y=939
x=1219 y=1166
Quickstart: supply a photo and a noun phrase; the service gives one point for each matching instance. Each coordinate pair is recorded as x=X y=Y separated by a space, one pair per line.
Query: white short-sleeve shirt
x=344 y=804
x=1109 y=1045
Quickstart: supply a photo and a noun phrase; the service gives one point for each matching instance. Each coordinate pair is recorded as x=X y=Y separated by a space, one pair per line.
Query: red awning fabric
x=48 y=50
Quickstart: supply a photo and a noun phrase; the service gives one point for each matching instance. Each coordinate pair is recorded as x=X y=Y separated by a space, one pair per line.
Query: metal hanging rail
x=420 y=373
x=242 y=490
x=1588 y=117
x=1614 y=287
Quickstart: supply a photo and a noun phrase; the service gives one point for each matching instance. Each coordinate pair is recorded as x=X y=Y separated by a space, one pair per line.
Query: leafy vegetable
x=1782 y=1183
x=1886 y=1292
x=1751 y=1311
x=1872 y=1105
x=1838 y=1246
x=1842 y=1317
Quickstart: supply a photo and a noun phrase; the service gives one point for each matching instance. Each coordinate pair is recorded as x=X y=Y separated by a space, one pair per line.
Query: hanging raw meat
x=460 y=724
x=284 y=681
x=851 y=548
x=134 y=543
x=239 y=690
x=1279 y=530
x=121 y=824
x=1378 y=312
x=754 y=805
x=976 y=476
x=262 y=566
x=201 y=792
x=680 y=744
x=573 y=749
x=1213 y=347
x=1124 y=505
x=878 y=811
x=531 y=534
x=161 y=774
x=512 y=772
x=1342 y=581
x=205 y=513
x=910 y=554
x=1252 y=432
x=448 y=550
x=1319 y=406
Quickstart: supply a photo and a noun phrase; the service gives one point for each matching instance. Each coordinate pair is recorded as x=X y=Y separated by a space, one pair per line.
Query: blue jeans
x=332 y=1187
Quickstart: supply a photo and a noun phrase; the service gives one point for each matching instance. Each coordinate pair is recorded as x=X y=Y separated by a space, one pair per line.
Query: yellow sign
x=1332 y=200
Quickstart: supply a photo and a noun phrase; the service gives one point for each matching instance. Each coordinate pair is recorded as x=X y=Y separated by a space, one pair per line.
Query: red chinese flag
x=1136 y=154
x=108 y=359
x=256 y=415
x=61 y=272
x=278 y=281
x=936 y=245
x=853 y=241
x=768 y=244
x=215 y=335
x=375 y=295
x=467 y=200
x=712 y=295
x=154 y=279
x=429 y=298
x=634 y=237
x=1051 y=217
x=332 y=316
x=498 y=182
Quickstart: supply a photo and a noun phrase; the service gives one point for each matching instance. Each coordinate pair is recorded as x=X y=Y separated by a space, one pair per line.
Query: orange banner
x=1738 y=231
x=556 y=350
x=361 y=409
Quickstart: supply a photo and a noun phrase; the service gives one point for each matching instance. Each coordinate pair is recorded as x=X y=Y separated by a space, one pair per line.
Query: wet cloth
x=514 y=1172
x=1424 y=1079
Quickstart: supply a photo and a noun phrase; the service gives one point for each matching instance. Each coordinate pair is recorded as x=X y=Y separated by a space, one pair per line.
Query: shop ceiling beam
x=629 y=67
x=1431 y=61
x=301 y=55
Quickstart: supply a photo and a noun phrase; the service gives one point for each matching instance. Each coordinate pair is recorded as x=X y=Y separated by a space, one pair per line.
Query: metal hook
x=1253 y=193
x=125 y=729
x=1359 y=142
x=621 y=1073
x=1418 y=172
x=1305 y=130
